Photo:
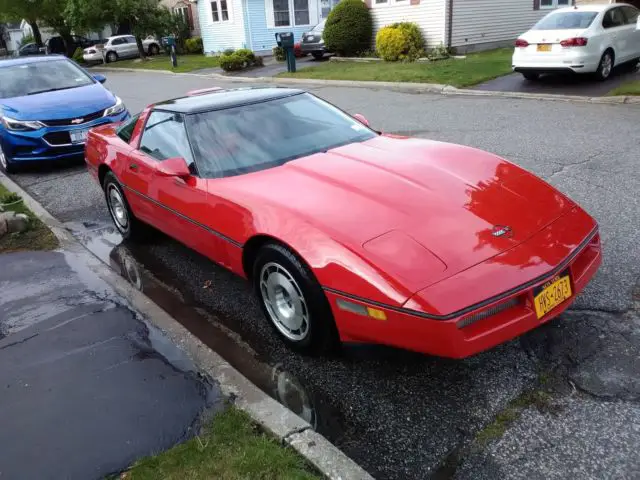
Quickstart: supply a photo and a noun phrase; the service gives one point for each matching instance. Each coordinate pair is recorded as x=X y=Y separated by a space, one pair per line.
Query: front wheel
x=154 y=49
x=293 y=301
x=129 y=226
x=112 y=57
x=318 y=55
x=605 y=66
x=6 y=165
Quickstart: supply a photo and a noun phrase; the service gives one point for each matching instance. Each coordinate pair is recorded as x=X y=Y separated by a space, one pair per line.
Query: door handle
x=133 y=166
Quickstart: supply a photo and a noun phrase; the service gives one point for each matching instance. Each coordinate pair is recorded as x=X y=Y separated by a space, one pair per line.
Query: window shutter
x=268 y=8
x=536 y=4
x=190 y=15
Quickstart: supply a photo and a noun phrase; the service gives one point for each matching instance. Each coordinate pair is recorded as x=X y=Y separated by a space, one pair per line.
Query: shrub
x=231 y=63
x=77 y=56
x=26 y=39
x=258 y=61
x=247 y=56
x=391 y=43
x=194 y=45
x=415 y=42
x=278 y=53
x=228 y=51
x=349 y=28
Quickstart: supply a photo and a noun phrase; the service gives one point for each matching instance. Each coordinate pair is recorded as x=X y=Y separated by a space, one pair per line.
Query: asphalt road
x=562 y=84
x=409 y=416
x=87 y=387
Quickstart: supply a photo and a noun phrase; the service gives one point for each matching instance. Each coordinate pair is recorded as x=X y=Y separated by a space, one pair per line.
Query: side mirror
x=361 y=119
x=174 y=167
x=100 y=78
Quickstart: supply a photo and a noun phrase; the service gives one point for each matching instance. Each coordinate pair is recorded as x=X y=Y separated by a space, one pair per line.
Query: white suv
x=582 y=39
x=120 y=46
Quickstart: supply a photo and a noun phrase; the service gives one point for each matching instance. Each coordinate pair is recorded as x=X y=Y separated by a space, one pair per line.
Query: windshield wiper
x=51 y=90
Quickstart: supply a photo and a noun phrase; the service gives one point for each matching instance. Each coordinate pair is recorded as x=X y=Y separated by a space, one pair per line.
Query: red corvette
x=347 y=234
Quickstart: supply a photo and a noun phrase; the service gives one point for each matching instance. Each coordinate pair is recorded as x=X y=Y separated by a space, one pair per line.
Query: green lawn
x=231 y=448
x=186 y=63
x=476 y=68
x=36 y=237
x=629 y=88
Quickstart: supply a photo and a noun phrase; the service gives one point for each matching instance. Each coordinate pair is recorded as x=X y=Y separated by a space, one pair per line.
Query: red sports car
x=348 y=234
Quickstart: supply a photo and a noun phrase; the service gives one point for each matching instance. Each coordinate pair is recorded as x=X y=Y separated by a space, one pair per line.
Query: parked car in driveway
x=47 y=106
x=28 y=49
x=118 y=47
x=348 y=234
x=582 y=39
x=56 y=45
x=313 y=43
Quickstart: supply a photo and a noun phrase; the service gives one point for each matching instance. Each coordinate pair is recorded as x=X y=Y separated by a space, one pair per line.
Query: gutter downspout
x=449 y=23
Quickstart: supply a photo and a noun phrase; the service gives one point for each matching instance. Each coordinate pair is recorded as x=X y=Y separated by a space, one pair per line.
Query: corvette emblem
x=76 y=121
x=502 y=231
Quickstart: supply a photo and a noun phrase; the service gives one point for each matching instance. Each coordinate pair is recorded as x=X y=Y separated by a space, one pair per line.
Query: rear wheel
x=531 y=76
x=128 y=225
x=293 y=301
x=112 y=57
x=154 y=49
x=6 y=165
x=605 y=66
x=318 y=55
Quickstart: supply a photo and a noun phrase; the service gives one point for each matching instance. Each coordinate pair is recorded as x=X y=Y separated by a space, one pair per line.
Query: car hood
x=74 y=102
x=452 y=201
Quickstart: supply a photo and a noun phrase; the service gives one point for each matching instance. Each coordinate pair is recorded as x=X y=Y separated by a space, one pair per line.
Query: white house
x=45 y=32
x=14 y=36
x=465 y=25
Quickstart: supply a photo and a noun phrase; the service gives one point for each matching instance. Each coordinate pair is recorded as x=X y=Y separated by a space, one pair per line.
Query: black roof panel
x=221 y=99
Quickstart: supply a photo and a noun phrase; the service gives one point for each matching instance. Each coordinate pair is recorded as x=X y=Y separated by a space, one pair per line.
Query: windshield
x=265 y=135
x=39 y=77
x=319 y=27
x=566 y=21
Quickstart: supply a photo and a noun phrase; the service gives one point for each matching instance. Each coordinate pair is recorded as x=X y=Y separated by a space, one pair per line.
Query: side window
x=125 y=131
x=631 y=13
x=130 y=39
x=165 y=137
x=613 y=18
x=117 y=41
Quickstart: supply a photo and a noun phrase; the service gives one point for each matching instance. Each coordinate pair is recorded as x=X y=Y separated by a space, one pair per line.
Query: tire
x=6 y=165
x=605 y=67
x=318 y=55
x=125 y=222
x=154 y=49
x=284 y=284
x=531 y=76
x=112 y=57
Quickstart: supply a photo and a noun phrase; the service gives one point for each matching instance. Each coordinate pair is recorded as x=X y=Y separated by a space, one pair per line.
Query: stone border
x=397 y=86
x=290 y=429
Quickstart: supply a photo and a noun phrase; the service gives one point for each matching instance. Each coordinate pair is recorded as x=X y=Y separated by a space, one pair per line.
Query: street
x=407 y=416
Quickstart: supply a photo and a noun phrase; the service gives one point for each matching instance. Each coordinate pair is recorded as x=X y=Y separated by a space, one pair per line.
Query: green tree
x=29 y=10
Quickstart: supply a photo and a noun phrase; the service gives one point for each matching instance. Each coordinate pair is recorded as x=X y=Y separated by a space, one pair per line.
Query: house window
x=219 y=11
x=301 y=12
x=379 y=2
x=281 y=13
x=183 y=12
x=554 y=3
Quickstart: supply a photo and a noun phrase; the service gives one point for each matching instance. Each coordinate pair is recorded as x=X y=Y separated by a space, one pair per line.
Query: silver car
x=313 y=43
x=120 y=46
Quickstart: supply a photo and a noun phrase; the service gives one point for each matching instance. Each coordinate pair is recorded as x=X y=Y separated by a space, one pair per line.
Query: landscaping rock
x=18 y=223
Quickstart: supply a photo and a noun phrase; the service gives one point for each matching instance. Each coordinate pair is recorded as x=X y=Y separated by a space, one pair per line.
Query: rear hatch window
x=566 y=21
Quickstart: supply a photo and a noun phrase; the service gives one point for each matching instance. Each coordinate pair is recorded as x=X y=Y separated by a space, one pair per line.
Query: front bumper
x=48 y=143
x=313 y=47
x=468 y=331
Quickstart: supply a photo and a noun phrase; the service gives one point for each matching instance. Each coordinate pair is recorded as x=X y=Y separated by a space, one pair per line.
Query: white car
x=581 y=39
x=119 y=46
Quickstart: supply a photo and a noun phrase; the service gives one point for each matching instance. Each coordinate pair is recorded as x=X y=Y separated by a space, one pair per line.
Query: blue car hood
x=71 y=103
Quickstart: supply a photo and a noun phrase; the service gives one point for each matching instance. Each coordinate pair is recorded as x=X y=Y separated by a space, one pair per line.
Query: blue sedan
x=47 y=106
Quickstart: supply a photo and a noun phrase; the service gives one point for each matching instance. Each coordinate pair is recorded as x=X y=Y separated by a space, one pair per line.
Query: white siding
x=428 y=14
x=218 y=36
x=485 y=21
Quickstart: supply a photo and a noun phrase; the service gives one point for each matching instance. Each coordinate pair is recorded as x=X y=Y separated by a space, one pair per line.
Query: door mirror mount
x=174 y=167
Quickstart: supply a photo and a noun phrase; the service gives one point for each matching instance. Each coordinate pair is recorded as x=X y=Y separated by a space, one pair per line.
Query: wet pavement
x=87 y=385
x=584 y=85
x=402 y=415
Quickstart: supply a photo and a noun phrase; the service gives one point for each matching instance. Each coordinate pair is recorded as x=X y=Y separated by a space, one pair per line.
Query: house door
x=326 y=6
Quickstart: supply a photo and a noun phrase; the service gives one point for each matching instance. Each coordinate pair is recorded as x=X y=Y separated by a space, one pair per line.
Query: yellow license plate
x=544 y=47
x=552 y=294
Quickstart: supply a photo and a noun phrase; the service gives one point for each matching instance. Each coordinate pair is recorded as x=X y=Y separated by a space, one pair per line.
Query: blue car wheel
x=5 y=163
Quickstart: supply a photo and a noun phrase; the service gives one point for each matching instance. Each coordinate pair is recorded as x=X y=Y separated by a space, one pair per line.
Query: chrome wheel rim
x=3 y=159
x=607 y=65
x=284 y=301
x=117 y=208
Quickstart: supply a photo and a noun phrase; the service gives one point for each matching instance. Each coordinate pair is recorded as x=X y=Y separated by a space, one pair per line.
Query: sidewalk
x=88 y=387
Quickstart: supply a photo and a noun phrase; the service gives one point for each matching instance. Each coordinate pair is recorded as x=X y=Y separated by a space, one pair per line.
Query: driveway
x=584 y=85
x=406 y=416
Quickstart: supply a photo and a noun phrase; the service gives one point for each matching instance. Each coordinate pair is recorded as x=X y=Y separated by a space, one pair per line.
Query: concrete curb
x=290 y=429
x=399 y=87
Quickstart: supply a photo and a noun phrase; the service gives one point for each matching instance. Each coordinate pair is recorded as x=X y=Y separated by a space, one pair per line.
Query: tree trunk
x=68 y=42
x=141 y=52
x=37 y=37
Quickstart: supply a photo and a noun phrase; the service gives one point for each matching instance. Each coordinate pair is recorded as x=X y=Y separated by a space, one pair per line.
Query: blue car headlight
x=20 y=125
x=117 y=109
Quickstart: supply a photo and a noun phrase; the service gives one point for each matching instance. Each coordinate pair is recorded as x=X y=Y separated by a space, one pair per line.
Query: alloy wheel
x=117 y=208
x=3 y=159
x=607 y=65
x=284 y=301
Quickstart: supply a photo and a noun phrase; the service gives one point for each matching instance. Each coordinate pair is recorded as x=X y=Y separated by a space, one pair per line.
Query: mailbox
x=286 y=41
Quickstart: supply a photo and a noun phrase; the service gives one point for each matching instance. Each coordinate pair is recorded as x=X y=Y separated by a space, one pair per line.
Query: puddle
x=106 y=243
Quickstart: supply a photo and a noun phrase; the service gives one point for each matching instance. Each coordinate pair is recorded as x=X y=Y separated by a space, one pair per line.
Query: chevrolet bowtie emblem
x=76 y=121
